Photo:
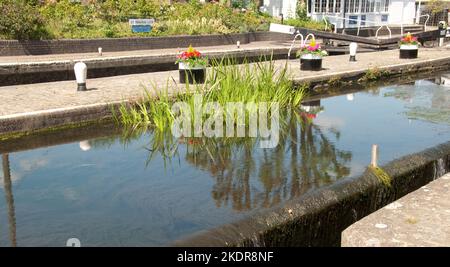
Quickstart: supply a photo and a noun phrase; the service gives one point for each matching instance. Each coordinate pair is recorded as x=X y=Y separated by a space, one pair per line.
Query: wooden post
x=374 y=160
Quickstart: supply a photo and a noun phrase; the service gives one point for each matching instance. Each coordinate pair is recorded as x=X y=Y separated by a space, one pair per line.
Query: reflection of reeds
x=305 y=159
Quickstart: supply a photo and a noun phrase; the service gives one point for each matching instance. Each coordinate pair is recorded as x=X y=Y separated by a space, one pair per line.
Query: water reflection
x=304 y=159
x=427 y=100
x=7 y=185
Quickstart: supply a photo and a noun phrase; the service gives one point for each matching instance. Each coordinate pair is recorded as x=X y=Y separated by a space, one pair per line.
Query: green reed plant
x=227 y=82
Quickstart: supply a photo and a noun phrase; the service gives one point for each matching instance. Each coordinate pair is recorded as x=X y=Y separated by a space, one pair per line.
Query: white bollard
x=80 y=69
x=353 y=47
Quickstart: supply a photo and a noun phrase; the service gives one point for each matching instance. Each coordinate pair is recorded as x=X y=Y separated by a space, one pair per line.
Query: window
x=317 y=6
x=384 y=18
x=338 y=6
x=351 y=6
x=324 y=6
x=386 y=5
x=353 y=20
x=363 y=20
x=377 y=6
x=371 y=6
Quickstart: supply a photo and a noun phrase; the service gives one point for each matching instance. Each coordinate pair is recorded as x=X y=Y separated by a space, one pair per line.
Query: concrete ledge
x=317 y=219
x=45 y=47
x=421 y=218
x=57 y=117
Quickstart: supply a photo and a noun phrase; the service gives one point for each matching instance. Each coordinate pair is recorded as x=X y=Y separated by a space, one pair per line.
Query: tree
x=20 y=20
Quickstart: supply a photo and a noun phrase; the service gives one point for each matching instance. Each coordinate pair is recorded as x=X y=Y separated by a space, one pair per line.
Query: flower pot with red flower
x=192 y=66
x=409 y=47
x=311 y=56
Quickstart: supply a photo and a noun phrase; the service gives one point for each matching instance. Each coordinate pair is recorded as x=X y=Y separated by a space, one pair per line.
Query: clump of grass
x=373 y=74
x=335 y=81
x=382 y=175
x=227 y=82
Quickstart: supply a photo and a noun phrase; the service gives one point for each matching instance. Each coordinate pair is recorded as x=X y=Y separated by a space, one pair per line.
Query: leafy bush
x=309 y=24
x=62 y=19
x=20 y=20
x=194 y=26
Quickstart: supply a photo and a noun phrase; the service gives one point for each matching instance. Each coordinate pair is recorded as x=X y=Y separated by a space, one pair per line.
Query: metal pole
x=343 y=21
x=418 y=12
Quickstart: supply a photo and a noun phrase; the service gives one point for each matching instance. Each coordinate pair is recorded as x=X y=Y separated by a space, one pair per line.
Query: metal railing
x=390 y=33
x=425 y=23
x=359 y=20
x=302 y=42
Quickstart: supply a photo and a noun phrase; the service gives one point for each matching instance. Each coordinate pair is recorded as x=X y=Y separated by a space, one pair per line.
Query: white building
x=366 y=12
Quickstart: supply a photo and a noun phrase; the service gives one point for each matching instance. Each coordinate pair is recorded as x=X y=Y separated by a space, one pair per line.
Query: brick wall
x=43 y=47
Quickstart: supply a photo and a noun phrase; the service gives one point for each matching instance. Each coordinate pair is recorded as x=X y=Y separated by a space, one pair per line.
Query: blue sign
x=141 y=28
x=141 y=25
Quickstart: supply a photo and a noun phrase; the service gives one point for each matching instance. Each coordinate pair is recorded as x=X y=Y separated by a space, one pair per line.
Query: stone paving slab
x=421 y=218
x=20 y=101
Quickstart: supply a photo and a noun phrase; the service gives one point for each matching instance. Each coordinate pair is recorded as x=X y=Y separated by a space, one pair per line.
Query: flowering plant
x=192 y=58
x=409 y=40
x=312 y=48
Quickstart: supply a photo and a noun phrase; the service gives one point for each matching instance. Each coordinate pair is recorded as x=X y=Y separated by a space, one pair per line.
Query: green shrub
x=20 y=20
x=308 y=23
x=195 y=26
x=301 y=11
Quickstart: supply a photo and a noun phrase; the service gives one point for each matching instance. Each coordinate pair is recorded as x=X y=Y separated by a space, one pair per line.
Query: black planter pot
x=192 y=75
x=309 y=63
x=409 y=53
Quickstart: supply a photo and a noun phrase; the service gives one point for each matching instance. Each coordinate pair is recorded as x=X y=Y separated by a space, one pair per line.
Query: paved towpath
x=421 y=218
x=56 y=58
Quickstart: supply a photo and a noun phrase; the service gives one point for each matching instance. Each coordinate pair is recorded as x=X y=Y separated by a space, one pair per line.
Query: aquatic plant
x=373 y=74
x=227 y=82
x=381 y=175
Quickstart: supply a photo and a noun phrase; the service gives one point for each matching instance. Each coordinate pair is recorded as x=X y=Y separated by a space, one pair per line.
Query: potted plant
x=192 y=66
x=311 y=56
x=409 y=47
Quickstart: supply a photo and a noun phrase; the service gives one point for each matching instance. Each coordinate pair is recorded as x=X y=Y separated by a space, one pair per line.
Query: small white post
x=238 y=44
x=100 y=51
x=353 y=47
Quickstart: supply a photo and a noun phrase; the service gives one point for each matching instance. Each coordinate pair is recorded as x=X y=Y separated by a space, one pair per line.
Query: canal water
x=145 y=189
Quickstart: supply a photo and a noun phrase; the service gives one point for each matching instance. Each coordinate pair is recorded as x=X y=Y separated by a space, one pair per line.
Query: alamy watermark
x=209 y=119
